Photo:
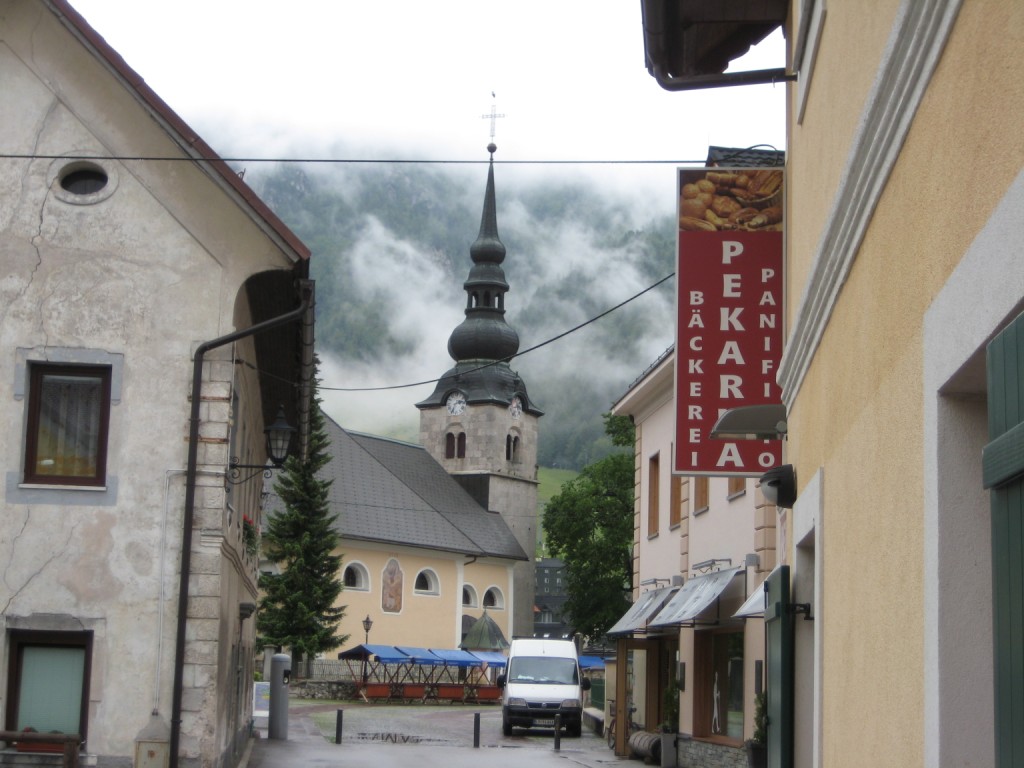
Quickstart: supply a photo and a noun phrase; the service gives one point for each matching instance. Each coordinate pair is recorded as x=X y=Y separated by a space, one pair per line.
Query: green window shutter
x=778 y=627
x=1003 y=472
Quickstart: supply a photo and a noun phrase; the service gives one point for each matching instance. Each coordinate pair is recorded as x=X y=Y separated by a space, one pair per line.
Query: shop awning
x=646 y=606
x=695 y=597
x=753 y=607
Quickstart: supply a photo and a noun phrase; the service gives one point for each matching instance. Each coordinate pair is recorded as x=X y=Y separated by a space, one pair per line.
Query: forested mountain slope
x=391 y=251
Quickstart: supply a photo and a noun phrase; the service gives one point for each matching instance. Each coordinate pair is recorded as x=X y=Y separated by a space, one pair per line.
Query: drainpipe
x=306 y=288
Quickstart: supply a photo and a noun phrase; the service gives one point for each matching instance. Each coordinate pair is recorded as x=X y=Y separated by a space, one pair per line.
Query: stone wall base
x=702 y=754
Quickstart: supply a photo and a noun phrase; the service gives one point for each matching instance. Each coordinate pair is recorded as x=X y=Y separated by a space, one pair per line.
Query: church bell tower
x=479 y=422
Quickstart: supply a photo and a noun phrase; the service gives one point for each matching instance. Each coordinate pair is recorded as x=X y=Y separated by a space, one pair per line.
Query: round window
x=84 y=180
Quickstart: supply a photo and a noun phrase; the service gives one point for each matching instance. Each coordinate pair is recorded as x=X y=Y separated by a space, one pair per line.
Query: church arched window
x=511 y=447
x=494 y=599
x=356 y=577
x=449 y=446
x=427 y=582
x=468 y=596
x=460 y=450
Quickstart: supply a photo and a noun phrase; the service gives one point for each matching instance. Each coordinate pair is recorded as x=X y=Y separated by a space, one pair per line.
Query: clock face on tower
x=456 y=403
x=515 y=408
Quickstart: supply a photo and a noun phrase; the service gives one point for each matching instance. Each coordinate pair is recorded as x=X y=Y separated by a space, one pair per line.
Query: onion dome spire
x=482 y=344
x=484 y=334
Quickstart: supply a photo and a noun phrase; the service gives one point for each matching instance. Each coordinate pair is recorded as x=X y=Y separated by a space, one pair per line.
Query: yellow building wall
x=414 y=618
x=858 y=414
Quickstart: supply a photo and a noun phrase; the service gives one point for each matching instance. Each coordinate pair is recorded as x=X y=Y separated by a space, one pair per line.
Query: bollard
x=280 y=674
x=476 y=730
x=558 y=733
x=337 y=726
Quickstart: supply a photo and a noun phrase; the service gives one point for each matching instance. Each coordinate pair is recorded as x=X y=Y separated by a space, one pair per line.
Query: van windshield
x=549 y=670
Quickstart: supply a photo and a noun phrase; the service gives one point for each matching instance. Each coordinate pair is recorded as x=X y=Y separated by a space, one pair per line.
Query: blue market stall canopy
x=385 y=654
x=493 y=658
x=404 y=654
x=591 y=662
x=458 y=658
x=420 y=655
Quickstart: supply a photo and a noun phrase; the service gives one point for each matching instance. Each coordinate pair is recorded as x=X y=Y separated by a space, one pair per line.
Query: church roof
x=394 y=492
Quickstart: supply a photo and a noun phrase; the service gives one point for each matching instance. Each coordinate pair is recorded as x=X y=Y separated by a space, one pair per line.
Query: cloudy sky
x=414 y=80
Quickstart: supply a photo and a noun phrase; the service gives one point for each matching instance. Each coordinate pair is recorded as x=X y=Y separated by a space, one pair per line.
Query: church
x=437 y=535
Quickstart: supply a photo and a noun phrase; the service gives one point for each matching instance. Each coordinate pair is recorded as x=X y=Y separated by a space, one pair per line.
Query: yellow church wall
x=858 y=415
x=403 y=615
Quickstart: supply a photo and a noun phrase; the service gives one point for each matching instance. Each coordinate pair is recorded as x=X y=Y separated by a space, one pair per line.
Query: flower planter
x=41 y=746
x=757 y=755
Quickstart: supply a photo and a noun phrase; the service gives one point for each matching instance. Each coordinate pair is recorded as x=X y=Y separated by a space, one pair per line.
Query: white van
x=542 y=680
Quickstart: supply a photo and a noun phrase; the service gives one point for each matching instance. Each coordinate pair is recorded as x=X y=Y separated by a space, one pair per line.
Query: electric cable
x=535 y=347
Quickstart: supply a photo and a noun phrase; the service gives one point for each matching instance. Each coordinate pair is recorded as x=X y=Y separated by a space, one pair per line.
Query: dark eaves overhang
x=285 y=355
x=688 y=44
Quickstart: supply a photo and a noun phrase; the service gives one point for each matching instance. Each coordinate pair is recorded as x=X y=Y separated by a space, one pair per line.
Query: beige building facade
x=905 y=203
x=125 y=610
x=691 y=533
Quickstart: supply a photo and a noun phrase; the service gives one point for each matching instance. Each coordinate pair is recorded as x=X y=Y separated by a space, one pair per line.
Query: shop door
x=778 y=627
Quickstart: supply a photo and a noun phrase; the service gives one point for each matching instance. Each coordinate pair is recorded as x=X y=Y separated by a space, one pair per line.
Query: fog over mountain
x=390 y=253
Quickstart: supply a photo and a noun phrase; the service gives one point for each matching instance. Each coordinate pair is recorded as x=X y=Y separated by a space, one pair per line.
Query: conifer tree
x=298 y=608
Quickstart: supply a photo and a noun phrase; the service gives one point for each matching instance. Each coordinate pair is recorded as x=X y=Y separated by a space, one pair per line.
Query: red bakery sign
x=730 y=313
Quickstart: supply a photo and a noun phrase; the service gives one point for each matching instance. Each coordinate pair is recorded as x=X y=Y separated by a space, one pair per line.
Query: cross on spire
x=493 y=116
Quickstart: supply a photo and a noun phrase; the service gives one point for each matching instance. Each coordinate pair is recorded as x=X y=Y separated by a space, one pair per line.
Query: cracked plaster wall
x=143 y=272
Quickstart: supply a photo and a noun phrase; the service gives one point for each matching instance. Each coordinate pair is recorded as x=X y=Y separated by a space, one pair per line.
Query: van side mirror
x=585 y=684
x=501 y=681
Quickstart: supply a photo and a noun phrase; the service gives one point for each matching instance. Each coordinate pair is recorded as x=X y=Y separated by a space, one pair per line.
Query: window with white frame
x=427 y=583
x=494 y=599
x=356 y=577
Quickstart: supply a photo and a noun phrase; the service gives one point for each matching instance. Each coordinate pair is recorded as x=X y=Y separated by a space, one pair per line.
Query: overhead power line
x=553 y=339
x=357 y=161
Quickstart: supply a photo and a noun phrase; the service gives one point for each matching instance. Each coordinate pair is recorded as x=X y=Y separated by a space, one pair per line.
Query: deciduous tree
x=589 y=526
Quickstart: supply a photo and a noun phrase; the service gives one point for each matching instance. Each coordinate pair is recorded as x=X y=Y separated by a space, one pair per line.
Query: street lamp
x=367 y=624
x=279 y=437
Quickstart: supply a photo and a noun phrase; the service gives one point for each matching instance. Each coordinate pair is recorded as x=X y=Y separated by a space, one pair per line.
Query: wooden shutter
x=778 y=628
x=1003 y=473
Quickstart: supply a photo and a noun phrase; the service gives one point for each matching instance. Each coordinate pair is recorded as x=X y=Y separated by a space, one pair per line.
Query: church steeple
x=479 y=423
x=483 y=343
x=484 y=334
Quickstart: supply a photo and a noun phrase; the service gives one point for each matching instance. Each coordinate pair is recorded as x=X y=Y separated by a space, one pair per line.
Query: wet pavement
x=426 y=736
